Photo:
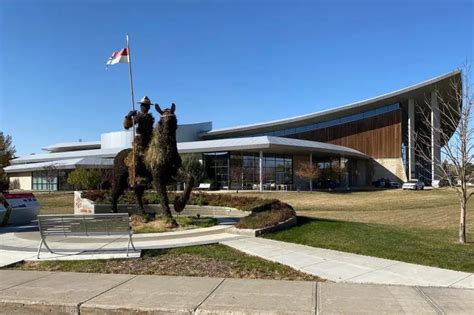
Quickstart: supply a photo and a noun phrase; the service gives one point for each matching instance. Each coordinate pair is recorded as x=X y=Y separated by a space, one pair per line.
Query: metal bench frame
x=82 y=221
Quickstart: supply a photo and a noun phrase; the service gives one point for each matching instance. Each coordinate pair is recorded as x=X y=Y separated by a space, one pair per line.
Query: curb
x=257 y=232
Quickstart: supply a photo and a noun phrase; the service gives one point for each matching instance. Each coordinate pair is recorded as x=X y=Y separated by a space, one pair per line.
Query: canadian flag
x=120 y=56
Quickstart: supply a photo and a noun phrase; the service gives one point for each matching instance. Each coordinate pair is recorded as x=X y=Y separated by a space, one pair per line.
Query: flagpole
x=132 y=175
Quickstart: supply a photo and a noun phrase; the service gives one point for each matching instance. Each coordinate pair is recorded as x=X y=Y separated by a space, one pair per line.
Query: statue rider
x=144 y=130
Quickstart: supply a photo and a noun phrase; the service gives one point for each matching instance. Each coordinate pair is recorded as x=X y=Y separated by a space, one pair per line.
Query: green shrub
x=199 y=200
x=94 y=195
x=191 y=164
x=151 y=197
x=241 y=203
x=105 y=197
x=83 y=178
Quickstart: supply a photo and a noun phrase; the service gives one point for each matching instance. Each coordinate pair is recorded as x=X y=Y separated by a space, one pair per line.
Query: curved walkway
x=346 y=267
x=22 y=244
x=328 y=264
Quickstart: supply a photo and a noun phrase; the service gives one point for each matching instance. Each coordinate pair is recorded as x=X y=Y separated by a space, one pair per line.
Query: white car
x=413 y=184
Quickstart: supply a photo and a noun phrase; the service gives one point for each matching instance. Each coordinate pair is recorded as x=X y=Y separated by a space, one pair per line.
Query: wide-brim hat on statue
x=145 y=101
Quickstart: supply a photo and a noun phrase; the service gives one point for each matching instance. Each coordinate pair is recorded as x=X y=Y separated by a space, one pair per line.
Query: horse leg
x=181 y=201
x=118 y=187
x=139 y=191
x=120 y=177
x=161 y=190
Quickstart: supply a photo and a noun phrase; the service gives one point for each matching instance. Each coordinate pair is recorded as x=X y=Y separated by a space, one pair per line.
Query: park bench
x=203 y=186
x=110 y=224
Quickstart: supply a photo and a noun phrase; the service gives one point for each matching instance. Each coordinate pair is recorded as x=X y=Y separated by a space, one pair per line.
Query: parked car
x=326 y=183
x=395 y=185
x=413 y=184
x=440 y=183
x=381 y=182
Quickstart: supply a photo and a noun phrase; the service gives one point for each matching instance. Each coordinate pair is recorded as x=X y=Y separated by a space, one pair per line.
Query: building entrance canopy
x=269 y=144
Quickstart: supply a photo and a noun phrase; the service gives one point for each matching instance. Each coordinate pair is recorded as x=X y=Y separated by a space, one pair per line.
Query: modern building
x=351 y=145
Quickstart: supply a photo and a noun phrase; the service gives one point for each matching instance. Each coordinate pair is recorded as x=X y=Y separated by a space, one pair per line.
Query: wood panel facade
x=379 y=136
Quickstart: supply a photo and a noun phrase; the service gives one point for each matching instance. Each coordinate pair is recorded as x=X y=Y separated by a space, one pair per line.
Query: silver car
x=413 y=184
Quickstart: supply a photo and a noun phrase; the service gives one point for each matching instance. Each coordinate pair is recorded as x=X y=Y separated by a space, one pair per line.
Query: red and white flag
x=120 y=56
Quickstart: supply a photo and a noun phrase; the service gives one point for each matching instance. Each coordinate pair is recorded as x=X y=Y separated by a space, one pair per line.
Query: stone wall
x=391 y=168
x=23 y=178
x=86 y=206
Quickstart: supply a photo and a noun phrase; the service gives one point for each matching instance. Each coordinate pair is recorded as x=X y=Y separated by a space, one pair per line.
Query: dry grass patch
x=198 y=261
x=427 y=209
x=55 y=202
x=279 y=212
x=139 y=224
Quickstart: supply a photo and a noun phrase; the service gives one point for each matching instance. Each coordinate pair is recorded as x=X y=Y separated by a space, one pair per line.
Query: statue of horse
x=121 y=178
x=164 y=163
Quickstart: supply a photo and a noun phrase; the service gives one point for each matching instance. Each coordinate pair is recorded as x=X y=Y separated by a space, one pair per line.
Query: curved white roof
x=328 y=114
x=89 y=162
x=44 y=157
x=70 y=146
x=267 y=143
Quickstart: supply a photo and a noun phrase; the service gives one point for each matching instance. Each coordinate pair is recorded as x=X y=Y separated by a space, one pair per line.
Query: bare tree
x=50 y=174
x=308 y=171
x=455 y=135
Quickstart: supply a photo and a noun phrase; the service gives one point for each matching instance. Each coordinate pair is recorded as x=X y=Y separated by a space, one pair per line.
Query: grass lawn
x=427 y=247
x=159 y=224
x=55 y=202
x=412 y=226
x=62 y=203
x=199 y=261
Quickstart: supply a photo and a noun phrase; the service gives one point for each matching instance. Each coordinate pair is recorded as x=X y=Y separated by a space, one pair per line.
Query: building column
x=260 y=162
x=344 y=175
x=311 y=163
x=411 y=139
x=435 y=138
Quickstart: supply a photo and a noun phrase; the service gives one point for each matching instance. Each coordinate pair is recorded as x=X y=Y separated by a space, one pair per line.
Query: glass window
x=217 y=168
x=45 y=180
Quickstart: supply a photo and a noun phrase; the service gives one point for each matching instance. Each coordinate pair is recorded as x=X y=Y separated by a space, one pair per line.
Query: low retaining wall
x=86 y=206
x=257 y=232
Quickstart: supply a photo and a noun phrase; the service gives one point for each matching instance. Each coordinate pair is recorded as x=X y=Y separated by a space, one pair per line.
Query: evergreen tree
x=7 y=152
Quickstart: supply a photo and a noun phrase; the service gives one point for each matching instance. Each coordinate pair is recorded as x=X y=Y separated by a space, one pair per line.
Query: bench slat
x=84 y=225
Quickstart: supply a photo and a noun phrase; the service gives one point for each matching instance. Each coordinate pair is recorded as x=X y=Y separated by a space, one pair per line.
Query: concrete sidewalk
x=346 y=267
x=17 y=246
x=34 y=292
x=328 y=264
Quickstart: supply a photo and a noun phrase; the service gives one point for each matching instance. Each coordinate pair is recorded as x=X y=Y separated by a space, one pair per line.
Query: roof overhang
x=45 y=157
x=268 y=144
x=87 y=162
x=103 y=158
x=418 y=91
x=72 y=146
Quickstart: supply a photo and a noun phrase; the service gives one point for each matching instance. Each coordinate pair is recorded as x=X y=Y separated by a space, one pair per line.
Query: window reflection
x=241 y=170
x=334 y=122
